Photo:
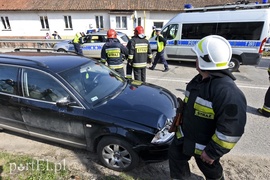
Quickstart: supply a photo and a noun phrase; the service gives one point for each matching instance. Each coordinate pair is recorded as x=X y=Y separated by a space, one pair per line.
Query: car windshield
x=124 y=38
x=94 y=81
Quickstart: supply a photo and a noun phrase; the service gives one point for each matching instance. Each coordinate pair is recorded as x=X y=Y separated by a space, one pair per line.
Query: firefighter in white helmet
x=213 y=116
x=265 y=110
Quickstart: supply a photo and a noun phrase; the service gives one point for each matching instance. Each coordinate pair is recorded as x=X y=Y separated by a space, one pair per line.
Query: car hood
x=141 y=103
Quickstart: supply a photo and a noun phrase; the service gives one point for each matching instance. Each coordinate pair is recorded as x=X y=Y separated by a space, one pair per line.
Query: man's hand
x=205 y=158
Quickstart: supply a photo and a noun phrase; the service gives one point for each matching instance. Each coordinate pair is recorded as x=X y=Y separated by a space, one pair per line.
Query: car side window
x=98 y=39
x=87 y=39
x=8 y=79
x=38 y=85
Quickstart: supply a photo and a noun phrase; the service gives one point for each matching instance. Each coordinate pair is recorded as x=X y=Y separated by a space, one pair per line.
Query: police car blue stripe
x=232 y=43
x=153 y=42
x=89 y=48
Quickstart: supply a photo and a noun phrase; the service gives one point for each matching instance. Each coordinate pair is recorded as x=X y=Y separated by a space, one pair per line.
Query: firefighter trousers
x=266 y=105
x=129 y=71
x=140 y=74
x=120 y=71
x=179 y=166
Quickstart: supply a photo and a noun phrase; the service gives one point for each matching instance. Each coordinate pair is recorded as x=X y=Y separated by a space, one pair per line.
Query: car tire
x=61 y=50
x=117 y=154
x=234 y=65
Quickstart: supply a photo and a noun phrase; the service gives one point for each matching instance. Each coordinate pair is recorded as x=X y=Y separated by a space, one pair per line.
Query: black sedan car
x=80 y=102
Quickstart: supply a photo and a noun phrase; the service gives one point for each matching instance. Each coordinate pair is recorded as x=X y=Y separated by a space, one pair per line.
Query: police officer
x=265 y=110
x=113 y=52
x=161 y=43
x=139 y=55
x=77 y=41
x=214 y=113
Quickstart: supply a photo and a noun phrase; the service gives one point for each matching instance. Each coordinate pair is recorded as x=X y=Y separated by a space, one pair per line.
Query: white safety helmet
x=214 y=53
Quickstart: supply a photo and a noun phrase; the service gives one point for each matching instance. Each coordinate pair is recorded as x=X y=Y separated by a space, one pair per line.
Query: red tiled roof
x=86 y=5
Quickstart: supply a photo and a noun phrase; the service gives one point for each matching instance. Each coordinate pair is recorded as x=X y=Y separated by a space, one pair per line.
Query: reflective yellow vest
x=160 y=45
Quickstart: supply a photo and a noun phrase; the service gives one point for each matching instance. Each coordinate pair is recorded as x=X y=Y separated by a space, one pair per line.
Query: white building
x=34 y=18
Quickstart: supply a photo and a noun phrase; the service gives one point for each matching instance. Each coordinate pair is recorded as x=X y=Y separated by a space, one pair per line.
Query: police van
x=244 y=25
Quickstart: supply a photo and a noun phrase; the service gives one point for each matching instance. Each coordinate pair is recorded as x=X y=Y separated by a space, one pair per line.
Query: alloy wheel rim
x=116 y=156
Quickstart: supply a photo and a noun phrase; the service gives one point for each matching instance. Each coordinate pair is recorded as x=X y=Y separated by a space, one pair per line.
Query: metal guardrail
x=267 y=47
x=33 y=40
x=28 y=43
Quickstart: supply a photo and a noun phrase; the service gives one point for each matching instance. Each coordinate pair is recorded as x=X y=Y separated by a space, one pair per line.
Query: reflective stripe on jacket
x=139 y=52
x=214 y=116
x=112 y=52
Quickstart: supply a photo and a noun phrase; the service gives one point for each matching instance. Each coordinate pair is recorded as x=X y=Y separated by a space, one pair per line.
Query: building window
x=68 y=22
x=99 y=22
x=121 y=22
x=44 y=22
x=158 y=24
x=5 y=22
x=139 y=21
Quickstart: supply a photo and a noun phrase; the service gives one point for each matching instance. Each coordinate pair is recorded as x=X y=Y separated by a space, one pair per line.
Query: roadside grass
x=23 y=167
x=266 y=53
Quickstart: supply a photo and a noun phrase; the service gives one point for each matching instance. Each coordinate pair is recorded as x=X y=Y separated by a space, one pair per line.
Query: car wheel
x=61 y=50
x=234 y=65
x=117 y=154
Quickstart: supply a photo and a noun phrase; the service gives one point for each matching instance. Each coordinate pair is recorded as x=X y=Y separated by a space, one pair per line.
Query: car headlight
x=163 y=135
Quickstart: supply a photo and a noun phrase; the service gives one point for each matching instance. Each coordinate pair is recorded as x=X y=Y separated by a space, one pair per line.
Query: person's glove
x=149 y=60
x=178 y=117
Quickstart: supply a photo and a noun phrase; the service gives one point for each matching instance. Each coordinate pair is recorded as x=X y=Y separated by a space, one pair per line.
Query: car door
x=93 y=45
x=170 y=34
x=10 y=115
x=43 y=118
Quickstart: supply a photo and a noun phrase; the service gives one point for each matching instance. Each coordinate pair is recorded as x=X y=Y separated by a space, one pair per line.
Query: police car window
x=38 y=85
x=97 y=39
x=240 y=30
x=198 y=31
x=8 y=79
x=170 y=31
x=229 y=30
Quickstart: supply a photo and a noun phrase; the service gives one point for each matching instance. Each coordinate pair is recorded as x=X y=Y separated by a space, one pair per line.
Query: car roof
x=56 y=62
x=104 y=33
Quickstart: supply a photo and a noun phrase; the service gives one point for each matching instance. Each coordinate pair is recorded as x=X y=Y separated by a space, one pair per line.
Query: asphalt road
x=252 y=80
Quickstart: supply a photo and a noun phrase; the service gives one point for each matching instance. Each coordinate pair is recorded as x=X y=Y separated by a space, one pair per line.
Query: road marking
x=186 y=81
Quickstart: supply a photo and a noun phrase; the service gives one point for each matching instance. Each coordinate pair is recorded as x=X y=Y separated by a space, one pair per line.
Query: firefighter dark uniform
x=265 y=110
x=139 y=55
x=113 y=51
x=214 y=116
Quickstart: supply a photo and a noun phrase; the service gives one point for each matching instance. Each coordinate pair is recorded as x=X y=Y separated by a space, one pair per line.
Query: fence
x=27 y=43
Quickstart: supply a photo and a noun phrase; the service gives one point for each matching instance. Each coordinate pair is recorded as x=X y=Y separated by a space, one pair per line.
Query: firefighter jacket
x=269 y=71
x=161 y=43
x=113 y=52
x=214 y=116
x=139 y=52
